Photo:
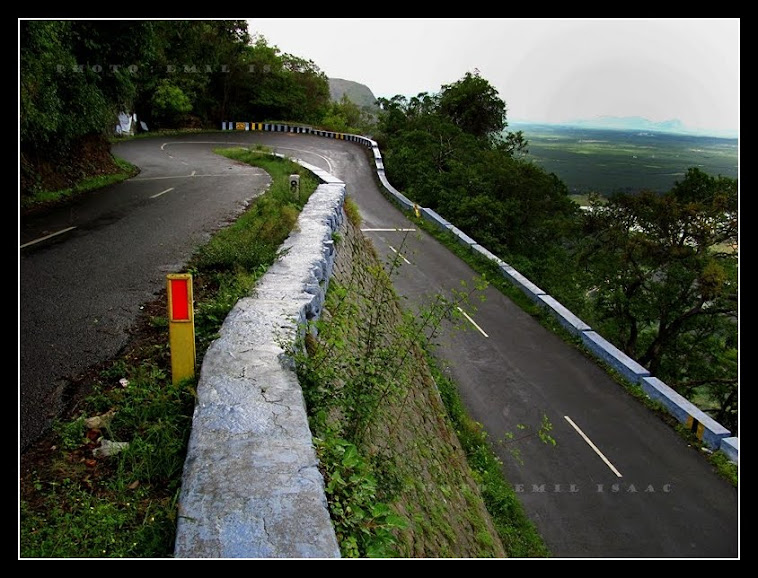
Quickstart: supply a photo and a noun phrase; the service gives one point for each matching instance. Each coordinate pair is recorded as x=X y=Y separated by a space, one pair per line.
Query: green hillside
x=358 y=93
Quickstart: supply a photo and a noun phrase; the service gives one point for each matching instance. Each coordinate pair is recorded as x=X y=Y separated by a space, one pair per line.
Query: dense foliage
x=76 y=76
x=656 y=274
x=451 y=152
x=664 y=270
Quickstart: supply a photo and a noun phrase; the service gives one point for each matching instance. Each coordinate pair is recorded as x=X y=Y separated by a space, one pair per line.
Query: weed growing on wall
x=365 y=380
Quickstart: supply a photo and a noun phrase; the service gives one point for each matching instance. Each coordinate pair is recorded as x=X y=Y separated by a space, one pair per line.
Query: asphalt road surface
x=618 y=483
x=85 y=270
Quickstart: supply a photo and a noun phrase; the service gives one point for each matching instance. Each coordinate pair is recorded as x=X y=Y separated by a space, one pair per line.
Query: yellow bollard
x=181 y=326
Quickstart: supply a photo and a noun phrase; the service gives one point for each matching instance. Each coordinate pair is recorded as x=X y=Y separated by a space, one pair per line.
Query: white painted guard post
x=181 y=326
x=295 y=185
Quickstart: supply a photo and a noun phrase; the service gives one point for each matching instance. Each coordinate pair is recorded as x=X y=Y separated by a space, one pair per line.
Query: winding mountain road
x=618 y=483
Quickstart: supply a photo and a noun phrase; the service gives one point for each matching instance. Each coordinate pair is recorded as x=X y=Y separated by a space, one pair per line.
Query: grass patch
x=725 y=467
x=516 y=531
x=44 y=199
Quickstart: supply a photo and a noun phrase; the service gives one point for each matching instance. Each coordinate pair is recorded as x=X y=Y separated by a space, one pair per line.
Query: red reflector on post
x=181 y=327
x=179 y=299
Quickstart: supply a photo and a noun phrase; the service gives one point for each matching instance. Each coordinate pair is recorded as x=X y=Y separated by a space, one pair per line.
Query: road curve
x=619 y=483
x=85 y=270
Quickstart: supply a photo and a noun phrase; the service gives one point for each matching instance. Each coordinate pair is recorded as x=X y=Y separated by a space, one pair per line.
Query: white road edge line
x=466 y=315
x=205 y=142
x=220 y=143
x=593 y=446
x=403 y=258
x=142 y=179
x=386 y=230
x=47 y=237
x=326 y=160
x=162 y=193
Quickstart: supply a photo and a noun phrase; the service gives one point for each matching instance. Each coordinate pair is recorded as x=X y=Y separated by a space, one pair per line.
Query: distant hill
x=673 y=126
x=358 y=93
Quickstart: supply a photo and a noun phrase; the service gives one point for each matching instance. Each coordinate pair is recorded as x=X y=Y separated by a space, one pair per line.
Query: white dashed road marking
x=466 y=315
x=386 y=230
x=395 y=251
x=593 y=446
x=47 y=237
x=162 y=193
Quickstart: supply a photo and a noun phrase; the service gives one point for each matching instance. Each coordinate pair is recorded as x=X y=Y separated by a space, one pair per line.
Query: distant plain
x=606 y=161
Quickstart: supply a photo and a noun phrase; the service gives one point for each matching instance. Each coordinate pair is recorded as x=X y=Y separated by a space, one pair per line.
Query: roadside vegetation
x=43 y=199
x=655 y=272
x=78 y=501
x=400 y=454
x=105 y=482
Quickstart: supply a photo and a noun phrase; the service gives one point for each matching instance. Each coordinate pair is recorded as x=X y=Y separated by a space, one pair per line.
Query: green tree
x=71 y=90
x=281 y=86
x=473 y=105
x=170 y=104
x=61 y=98
x=308 y=89
x=448 y=151
x=119 y=52
x=346 y=116
x=202 y=60
x=665 y=281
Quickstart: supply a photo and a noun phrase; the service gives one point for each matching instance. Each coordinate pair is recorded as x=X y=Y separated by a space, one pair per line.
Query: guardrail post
x=181 y=326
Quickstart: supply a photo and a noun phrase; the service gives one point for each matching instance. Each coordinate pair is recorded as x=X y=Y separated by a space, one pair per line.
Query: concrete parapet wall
x=406 y=203
x=487 y=254
x=563 y=315
x=462 y=237
x=712 y=434
x=529 y=288
x=708 y=430
x=603 y=349
x=731 y=447
x=251 y=487
x=432 y=216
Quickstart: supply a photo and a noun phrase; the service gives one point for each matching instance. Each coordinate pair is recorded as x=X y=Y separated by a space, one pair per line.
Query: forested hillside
x=655 y=273
x=356 y=92
x=78 y=75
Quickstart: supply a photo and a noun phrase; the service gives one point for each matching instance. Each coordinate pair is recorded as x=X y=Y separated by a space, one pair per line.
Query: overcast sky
x=545 y=70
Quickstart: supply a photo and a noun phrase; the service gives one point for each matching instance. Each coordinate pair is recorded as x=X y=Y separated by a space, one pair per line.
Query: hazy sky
x=545 y=70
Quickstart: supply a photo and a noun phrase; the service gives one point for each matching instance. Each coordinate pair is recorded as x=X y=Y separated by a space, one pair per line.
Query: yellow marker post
x=181 y=326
